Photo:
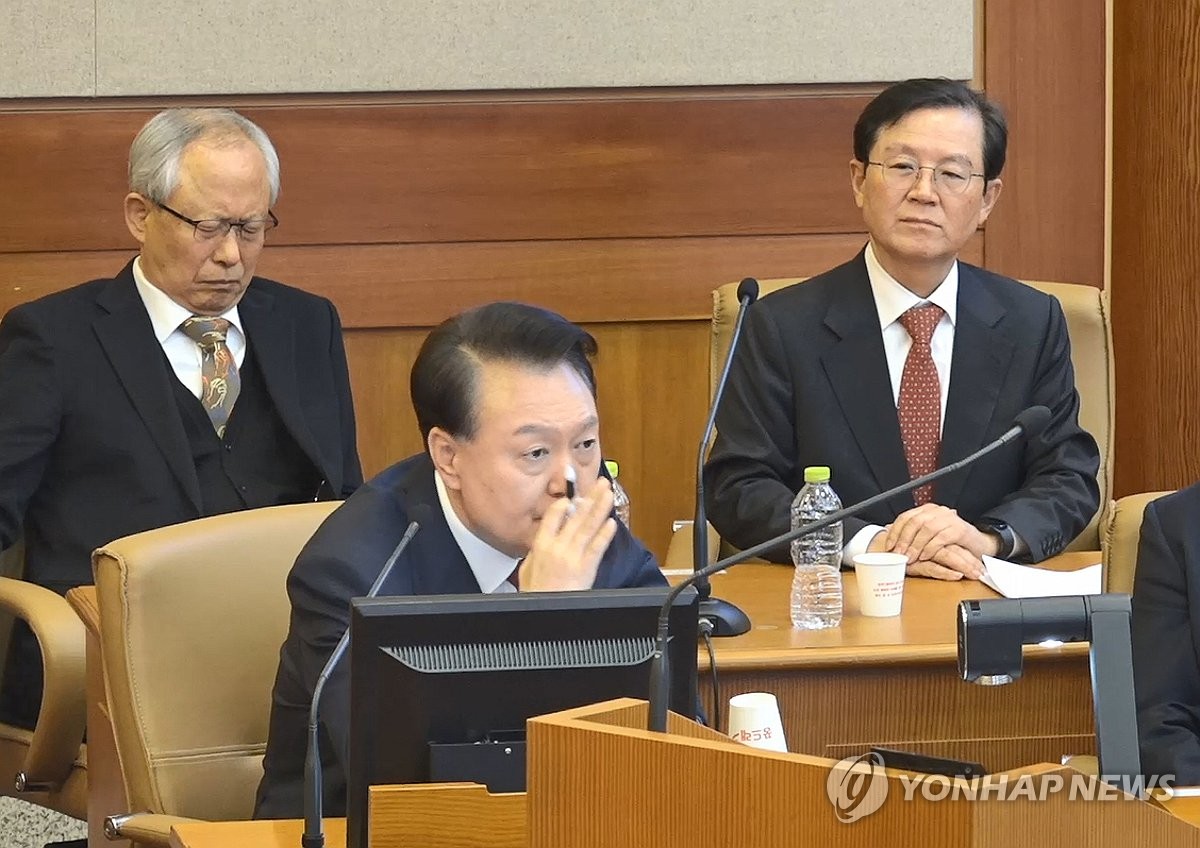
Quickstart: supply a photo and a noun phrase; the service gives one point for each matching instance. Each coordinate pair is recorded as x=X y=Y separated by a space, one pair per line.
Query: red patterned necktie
x=920 y=406
x=220 y=382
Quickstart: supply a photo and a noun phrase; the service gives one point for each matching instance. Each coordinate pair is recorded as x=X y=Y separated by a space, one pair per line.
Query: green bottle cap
x=816 y=474
x=613 y=468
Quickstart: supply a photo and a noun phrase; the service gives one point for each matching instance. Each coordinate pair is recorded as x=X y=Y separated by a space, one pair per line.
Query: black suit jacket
x=92 y=447
x=341 y=562
x=1166 y=637
x=810 y=386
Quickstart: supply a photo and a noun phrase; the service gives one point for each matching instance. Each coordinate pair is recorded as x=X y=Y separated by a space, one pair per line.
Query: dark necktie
x=220 y=383
x=515 y=577
x=920 y=406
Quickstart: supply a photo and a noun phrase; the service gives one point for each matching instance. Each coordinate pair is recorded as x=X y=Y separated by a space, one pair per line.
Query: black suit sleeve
x=627 y=564
x=30 y=414
x=1060 y=494
x=1166 y=669
x=352 y=476
x=320 y=587
x=753 y=472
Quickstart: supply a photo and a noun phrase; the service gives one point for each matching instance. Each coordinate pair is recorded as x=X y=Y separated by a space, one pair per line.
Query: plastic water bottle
x=620 y=496
x=817 y=584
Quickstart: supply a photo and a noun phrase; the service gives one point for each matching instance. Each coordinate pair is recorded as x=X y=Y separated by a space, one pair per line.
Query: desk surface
x=924 y=631
x=252 y=834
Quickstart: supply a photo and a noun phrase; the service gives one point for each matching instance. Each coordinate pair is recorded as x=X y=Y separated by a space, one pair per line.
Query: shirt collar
x=165 y=314
x=490 y=566
x=892 y=299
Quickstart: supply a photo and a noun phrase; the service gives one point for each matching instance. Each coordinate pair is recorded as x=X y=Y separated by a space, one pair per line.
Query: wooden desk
x=253 y=834
x=894 y=681
x=887 y=681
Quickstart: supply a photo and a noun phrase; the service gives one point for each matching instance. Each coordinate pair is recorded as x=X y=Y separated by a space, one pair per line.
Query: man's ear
x=991 y=193
x=444 y=451
x=858 y=175
x=137 y=209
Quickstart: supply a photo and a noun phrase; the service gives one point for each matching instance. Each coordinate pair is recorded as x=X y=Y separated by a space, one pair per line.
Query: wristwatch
x=1005 y=538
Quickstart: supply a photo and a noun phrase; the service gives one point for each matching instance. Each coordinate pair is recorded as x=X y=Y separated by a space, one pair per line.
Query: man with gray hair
x=183 y=387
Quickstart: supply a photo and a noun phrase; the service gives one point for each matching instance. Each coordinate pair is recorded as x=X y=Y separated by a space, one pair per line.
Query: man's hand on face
x=570 y=543
x=937 y=543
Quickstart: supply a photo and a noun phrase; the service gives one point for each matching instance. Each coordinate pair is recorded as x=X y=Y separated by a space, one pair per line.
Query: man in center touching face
x=505 y=398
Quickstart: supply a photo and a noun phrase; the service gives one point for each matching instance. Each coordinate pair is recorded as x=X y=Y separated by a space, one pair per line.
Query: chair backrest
x=1087 y=314
x=1121 y=533
x=192 y=617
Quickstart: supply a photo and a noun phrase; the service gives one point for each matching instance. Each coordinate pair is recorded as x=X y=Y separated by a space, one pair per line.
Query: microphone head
x=1033 y=421
x=747 y=291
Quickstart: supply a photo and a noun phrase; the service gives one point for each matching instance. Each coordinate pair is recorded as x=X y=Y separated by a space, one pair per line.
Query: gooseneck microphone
x=726 y=619
x=314 y=833
x=1029 y=422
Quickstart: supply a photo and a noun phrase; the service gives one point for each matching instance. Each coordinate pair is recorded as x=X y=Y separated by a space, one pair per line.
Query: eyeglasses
x=209 y=229
x=947 y=179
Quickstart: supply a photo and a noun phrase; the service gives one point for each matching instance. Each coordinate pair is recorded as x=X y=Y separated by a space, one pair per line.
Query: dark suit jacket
x=341 y=562
x=809 y=386
x=92 y=447
x=1166 y=637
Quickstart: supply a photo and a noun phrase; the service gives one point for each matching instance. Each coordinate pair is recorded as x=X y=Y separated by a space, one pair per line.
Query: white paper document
x=1027 y=581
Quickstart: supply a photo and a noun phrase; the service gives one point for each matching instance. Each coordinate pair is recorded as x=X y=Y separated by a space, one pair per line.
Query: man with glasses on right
x=905 y=359
x=184 y=386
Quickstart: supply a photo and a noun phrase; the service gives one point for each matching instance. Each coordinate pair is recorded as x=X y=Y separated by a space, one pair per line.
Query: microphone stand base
x=727 y=619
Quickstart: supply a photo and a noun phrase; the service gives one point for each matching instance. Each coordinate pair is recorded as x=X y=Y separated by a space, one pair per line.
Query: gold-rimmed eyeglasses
x=947 y=179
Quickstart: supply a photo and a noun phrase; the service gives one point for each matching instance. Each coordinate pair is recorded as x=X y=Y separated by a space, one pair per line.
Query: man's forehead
x=952 y=130
x=524 y=396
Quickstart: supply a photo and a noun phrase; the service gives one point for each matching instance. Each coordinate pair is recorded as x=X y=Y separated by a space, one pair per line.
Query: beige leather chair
x=191 y=620
x=46 y=766
x=1122 y=532
x=1087 y=314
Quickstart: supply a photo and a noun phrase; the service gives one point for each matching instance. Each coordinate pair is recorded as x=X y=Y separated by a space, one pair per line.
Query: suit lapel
x=978 y=369
x=858 y=374
x=272 y=335
x=127 y=337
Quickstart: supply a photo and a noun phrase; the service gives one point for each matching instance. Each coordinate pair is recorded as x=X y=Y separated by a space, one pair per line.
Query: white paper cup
x=754 y=720
x=880 y=583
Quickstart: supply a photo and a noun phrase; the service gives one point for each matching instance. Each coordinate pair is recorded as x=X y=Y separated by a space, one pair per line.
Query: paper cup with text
x=754 y=719
x=880 y=579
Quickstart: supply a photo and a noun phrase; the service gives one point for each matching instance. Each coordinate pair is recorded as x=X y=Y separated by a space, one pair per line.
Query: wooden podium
x=598 y=779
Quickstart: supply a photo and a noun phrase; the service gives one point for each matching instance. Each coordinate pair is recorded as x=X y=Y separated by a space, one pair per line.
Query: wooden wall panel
x=1045 y=64
x=1155 y=297
x=418 y=285
x=498 y=169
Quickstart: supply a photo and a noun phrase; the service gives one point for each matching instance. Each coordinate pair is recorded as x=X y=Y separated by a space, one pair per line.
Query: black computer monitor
x=441 y=685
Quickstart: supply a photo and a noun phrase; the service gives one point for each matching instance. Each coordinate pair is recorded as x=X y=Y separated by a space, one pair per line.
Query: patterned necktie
x=920 y=406
x=220 y=383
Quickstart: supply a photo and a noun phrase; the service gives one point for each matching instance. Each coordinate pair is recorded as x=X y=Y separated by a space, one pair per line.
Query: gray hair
x=158 y=148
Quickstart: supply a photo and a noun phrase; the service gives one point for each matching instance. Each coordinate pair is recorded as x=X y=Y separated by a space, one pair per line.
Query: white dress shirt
x=491 y=567
x=891 y=301
x=184 y=354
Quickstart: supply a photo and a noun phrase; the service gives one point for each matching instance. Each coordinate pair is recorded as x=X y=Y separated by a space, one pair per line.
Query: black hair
x=892 y=104
x=444 y=377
